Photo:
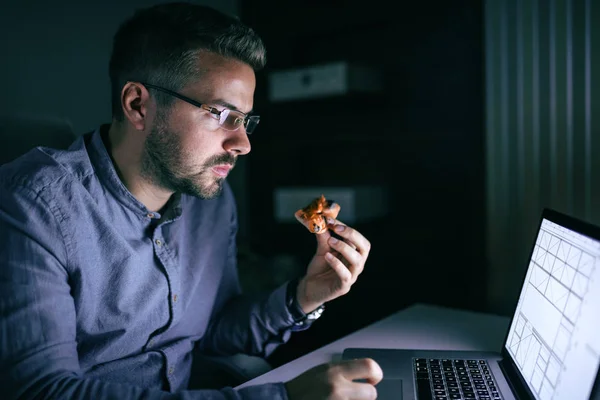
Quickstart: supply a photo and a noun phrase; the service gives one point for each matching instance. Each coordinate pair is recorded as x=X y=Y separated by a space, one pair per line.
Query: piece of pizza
x=314 y=216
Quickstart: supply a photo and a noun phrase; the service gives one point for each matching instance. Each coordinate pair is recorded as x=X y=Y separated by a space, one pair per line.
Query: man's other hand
x=335 y=381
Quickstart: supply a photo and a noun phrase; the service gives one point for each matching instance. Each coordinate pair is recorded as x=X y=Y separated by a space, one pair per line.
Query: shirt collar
x=106 y=172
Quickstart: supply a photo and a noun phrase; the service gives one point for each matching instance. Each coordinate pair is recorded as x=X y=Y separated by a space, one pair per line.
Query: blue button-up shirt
x=101 y=298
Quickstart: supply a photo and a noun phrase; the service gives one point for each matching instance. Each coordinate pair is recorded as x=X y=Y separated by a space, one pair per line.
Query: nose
x=237 y=142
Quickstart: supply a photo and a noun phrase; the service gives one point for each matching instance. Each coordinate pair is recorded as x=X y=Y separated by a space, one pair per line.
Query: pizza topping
x=314 y=216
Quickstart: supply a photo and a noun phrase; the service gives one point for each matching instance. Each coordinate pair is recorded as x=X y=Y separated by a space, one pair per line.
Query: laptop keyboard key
x=442 y=379
x=424 y=390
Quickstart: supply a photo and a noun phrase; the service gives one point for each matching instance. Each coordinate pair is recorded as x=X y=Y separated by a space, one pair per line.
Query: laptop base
x=399 y=380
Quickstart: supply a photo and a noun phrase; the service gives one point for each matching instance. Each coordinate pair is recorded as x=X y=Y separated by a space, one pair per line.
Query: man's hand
x=335 y=266
x=335 y=381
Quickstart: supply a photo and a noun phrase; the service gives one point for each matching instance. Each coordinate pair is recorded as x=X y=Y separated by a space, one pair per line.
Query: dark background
x=427 y=150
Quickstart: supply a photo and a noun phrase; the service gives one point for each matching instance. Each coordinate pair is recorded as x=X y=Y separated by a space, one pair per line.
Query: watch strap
x=301 y=319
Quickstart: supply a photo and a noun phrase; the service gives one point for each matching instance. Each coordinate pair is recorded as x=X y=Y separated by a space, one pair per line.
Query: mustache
x=221 y=159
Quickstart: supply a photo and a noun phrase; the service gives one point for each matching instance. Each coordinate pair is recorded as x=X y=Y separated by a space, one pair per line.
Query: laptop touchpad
x=389 y=389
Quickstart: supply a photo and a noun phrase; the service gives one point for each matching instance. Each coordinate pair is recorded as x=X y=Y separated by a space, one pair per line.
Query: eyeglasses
x=230 y=120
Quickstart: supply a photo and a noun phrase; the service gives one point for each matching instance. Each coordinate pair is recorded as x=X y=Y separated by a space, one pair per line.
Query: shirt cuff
x=271 y=391
x=300 y=322
x=285 y=315
x=292 y=302
x=276 y=310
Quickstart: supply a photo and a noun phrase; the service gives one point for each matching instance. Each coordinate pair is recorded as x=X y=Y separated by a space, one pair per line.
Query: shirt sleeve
x=38 y=348
x=255 y=324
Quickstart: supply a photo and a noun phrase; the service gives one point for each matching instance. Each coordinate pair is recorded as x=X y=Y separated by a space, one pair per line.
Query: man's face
x=186 y=150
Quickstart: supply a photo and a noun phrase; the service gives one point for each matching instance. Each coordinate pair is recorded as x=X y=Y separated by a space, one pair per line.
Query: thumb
x=322 y=238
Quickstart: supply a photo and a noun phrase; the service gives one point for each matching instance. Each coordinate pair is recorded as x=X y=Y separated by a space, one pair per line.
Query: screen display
x=554 y=338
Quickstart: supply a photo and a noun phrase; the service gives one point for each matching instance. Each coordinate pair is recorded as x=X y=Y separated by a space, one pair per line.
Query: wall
x=422 y=138
x=55 y=58
x=542 y=137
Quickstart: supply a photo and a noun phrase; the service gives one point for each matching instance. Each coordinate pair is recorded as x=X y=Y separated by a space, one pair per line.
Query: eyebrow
x=229 y=105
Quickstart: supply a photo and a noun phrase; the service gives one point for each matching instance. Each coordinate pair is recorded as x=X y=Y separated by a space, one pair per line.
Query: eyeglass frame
x=212 y=110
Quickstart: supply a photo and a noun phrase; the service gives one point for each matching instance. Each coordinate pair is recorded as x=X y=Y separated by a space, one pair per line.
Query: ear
x=135 y=101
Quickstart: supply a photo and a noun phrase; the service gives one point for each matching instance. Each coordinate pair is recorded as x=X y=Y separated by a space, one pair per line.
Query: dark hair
x=162 y=45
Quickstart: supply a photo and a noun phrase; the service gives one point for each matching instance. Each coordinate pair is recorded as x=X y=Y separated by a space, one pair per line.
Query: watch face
x=316 y=314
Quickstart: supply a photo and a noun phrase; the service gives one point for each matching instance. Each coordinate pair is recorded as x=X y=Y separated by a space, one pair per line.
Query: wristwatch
x=301 y=320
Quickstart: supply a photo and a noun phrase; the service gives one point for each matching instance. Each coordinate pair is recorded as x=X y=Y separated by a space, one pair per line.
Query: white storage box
x=358 y=203
x=333 y=79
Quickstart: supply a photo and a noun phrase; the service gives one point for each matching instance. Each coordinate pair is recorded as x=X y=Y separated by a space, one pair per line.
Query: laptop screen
x=554 y=336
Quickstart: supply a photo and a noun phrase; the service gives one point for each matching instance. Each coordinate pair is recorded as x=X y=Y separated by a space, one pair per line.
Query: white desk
x=416 y=327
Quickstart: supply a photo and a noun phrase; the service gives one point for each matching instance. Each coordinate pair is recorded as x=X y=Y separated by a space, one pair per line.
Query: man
x=118 y=255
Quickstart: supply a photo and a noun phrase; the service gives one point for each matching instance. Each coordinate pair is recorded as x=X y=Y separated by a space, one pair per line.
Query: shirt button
x=150 y=215
x=175 y=298
x=171 y=370
x=158 y=242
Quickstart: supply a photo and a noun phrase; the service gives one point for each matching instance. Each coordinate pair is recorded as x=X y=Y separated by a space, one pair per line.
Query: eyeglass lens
x=232 y=120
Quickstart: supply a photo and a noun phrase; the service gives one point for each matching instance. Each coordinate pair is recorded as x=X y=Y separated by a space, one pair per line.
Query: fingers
x=340 y=269
x=348 y=379
x=351 y=236
x=359 y=391
x=332 y=211
x=349 y=253
x=362 y=368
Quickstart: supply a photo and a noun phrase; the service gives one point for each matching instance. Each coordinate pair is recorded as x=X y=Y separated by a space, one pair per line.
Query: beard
x=163 y=164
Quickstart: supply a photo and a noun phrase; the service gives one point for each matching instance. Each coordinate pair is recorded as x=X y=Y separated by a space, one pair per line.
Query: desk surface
x=416 y=327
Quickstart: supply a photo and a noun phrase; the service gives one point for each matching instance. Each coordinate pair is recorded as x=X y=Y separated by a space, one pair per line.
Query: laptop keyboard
x=440 y=379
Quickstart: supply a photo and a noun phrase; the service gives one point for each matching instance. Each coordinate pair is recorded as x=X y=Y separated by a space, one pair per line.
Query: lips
x=221 y=170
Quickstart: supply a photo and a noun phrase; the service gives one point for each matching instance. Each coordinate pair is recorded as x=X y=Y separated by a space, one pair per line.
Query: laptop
x=552 y=347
